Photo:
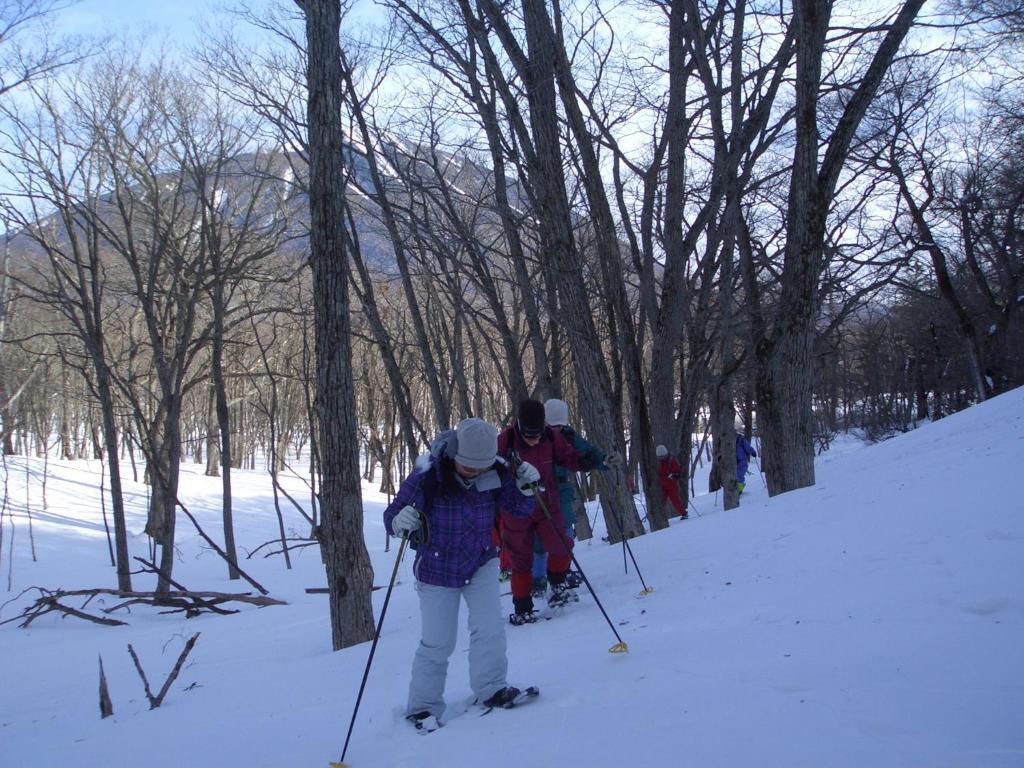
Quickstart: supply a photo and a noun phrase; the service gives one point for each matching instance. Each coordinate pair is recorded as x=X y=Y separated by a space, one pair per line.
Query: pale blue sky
x=180 y=20
x=176 y=17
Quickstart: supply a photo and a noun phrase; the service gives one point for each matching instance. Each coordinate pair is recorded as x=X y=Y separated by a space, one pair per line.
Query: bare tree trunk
x=212 y=434
x=67 y=441
x=723 y=406
x=667 y=319
x=349 y=575
x=103 y=390
x=581 y=522
x=725 y=442
x=6 y=422
x=611 y=269
x=565 y=269
x=169 y=468
x=220 y=398
x=964 y=324
x=785 y=382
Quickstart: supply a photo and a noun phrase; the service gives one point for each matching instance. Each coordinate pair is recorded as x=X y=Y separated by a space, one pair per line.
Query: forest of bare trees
x=308 y=252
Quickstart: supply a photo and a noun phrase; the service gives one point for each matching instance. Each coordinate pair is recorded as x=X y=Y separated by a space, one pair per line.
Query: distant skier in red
x=669 y=472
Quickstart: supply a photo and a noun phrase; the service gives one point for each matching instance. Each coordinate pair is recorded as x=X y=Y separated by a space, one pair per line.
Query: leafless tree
x=29 y=50
x=784 y=354
x=58 y=185
x=349 y=575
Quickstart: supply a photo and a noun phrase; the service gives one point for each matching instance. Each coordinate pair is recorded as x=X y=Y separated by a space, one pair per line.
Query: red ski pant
x=517 y=535
x=671 y=491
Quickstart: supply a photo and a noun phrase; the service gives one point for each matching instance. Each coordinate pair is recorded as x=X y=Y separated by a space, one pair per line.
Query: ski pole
x=373 y=647
x=619 y=647
x=625 y=545
x=647 y=514
x=594 y=522
x=622 y=537
x=690 y=505
x=626 y=548
x=760 y=472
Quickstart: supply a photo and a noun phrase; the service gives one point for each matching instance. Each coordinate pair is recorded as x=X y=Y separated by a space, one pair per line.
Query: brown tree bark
x=349 y=574
x=564 y=266
x=785 y=355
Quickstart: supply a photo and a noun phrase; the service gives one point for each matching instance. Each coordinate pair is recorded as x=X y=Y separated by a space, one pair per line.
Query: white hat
x=556 y=412
x=478 y=444
x=661 y=451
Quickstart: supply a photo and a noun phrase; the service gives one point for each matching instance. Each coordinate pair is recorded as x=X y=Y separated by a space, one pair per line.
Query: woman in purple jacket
x=447 y=508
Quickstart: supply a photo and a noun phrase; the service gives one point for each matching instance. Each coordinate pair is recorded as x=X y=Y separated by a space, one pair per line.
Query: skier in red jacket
x=530 y=440
x=669 y=472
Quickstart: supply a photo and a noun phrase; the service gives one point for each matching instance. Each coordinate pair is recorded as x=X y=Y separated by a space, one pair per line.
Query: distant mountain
x=280 y=181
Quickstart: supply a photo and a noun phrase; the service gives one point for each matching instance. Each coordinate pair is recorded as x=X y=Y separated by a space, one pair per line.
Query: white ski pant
x=439 y=611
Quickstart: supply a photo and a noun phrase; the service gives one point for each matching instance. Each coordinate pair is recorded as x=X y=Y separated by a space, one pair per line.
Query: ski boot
x=505 y=698
x=562 y=594
x=424 y=722
x=539 y=587
x=509 y=697
x=524 y=613
x=573 y=579
x=519 y=618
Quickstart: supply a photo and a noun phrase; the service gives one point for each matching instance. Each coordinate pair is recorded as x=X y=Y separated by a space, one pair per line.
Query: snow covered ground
x=875 y=619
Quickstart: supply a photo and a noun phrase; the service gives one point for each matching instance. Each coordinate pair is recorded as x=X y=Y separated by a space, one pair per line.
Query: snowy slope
x=876 y=619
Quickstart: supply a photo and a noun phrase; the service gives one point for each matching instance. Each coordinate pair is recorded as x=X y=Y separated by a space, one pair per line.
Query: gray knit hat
x=661 y=451
x=556 y=412
x=478 y=444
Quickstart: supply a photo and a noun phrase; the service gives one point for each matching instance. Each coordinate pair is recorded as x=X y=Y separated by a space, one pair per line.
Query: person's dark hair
x=530 y=418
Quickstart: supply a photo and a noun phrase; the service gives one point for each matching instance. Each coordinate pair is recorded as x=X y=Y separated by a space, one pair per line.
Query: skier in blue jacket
x=744 y=450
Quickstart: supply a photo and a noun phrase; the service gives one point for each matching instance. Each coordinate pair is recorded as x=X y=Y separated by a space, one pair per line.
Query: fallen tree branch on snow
x=190 y=603
x=156 y=701
x=302 y=543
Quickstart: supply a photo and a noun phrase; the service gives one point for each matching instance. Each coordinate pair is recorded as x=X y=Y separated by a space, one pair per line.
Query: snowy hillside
x=876 y=619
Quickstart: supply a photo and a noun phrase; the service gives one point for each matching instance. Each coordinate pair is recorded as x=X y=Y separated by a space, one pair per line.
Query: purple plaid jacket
x=459 y=522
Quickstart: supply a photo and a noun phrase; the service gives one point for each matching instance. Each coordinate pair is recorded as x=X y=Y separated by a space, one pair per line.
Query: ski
x=430 y=723
x=560 y=601
x=524 y=696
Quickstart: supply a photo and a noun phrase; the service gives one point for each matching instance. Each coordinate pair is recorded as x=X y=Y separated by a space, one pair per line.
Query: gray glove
x=406 y=521
x=526 y=476
x=613 y=459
